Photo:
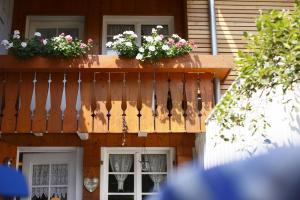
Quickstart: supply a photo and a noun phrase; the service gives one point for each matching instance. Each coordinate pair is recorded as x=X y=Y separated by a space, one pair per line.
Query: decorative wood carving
x=18 y=101
x=169 y=102
x=33 y=102
x=124 y=107
x=63 y=103
x=199 y=99
x=78 y=101
x=184 y=104
x=154 y=101
x=139 y=103
x=108 y=104
x=48 y=102
x=93 y=101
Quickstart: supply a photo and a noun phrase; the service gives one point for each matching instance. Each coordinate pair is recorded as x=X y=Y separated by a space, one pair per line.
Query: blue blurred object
x=275 y=176
x=12 y=183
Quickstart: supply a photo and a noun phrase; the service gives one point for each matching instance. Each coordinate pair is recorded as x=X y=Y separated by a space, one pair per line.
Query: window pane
x=47 y=32
x=154 y=163
x=59 y=174
x=60 y=192
x=40 y=175
x=120 y=197
x=121 y=163
x=147 y=29
x=74 y=32
x=152 y=182
x=39 y=193
x=115 y=29
x=116 y=183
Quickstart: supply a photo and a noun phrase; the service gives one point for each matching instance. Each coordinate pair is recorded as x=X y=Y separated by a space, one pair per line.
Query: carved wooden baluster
x=184 y=101
x=124 y=108
x=169 y=102
x=63 y=103
x=154 y=101
x=33 y=102
x=139 y=103
x=48 y=102
x=93 y=101
x=108 y=104
x=2 y=100
x=78 y=101
x=199 y=100
x=18 y=101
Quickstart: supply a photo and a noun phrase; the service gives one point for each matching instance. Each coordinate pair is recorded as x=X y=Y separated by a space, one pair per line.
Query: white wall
x=6 y=10
x=283 y=116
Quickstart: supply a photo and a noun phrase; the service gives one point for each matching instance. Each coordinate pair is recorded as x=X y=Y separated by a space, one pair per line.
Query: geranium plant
x=61 y=46
x=154 y=47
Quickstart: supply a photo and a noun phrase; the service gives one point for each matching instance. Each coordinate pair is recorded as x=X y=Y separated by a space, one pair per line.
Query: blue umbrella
x=12 y=183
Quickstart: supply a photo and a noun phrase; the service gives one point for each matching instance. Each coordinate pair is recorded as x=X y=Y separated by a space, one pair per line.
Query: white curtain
x=121 y=163
x=157 y=163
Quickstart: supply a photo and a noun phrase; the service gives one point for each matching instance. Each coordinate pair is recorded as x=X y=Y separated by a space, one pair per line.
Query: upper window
x=51 y=26
x=134 y=173
x=141 y=25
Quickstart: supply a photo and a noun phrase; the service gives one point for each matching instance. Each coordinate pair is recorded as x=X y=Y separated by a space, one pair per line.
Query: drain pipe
x=214 y=47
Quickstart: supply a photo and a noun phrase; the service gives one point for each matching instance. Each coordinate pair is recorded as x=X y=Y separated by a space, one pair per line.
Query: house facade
x=104 y=127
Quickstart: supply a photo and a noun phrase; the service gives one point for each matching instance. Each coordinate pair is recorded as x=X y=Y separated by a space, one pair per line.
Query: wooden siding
x=234 y=17
x=183 y=144
x=198 y=25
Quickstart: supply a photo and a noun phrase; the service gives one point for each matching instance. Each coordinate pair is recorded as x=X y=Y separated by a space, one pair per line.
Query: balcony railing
x=101 y=94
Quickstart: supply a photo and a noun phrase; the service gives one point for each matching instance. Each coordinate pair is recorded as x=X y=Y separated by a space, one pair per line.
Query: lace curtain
x=121 y=163
x=157 y=163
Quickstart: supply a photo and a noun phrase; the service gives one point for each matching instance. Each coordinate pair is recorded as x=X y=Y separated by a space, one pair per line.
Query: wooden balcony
x=106 y=94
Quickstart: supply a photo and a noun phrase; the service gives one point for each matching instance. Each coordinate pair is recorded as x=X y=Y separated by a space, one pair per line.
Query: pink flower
x=82 y=45
x=69 y=38
x=90 y=41
x=62 y=34
x=161 y=36
x=171 y=41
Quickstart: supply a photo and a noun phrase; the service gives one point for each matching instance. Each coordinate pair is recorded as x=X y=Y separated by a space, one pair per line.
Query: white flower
x=175 y=36
x=10 y=45
x=139 y=56
x=129 y=44
x=278 y=58
x=109 y=44
x=45 y=42
x=134 y=35
x=37 y=34
x=142 y=50
x=151 y=48
x=117 y=36
x=23 y=44
x=267 y=65
x=16 y=32
x=4 y=42
x=280 y=63
x=165 y=47
x=128 y=33
x=154 y=30
x=157 y=38
x=159 y=26
x=16 y=36
x=148 y=38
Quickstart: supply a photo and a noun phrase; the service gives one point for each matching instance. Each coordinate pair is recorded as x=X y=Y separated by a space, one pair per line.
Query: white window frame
x=137 y=151
x=78 y=157
x=137 y=21
x=35 y=22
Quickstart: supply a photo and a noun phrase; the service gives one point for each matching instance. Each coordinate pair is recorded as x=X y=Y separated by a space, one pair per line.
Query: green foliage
x=60 y=46
x=272 y=59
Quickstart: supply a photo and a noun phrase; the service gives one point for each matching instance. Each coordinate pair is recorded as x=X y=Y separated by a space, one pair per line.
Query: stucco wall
x=5 y=20
x=283 y=116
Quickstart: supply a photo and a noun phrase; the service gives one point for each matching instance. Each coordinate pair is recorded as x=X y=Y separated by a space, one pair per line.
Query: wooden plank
x=100 y=121
x=39 y=119
x=177 y=119
x=54 y=122
x=69 y=123
x=131 y=94
x=8 y=121
x=207 y=96
x=25 y=94
x=162 y=120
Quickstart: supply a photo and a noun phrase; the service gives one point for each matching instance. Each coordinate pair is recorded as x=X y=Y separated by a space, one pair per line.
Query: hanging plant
x=63 y=46
x=154 y=47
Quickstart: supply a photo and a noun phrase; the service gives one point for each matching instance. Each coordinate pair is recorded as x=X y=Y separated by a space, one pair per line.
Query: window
x=134 y=173
x=50 y=26
x=141 y=25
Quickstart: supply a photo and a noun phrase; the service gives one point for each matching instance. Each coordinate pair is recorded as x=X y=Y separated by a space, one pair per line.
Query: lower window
x=134 y=173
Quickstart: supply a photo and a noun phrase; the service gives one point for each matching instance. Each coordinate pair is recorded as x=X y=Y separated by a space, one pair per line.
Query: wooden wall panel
x=8 y=151
x=198 y=25
x=234 y=17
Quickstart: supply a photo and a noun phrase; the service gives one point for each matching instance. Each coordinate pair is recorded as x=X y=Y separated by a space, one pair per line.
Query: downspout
x=214 y=47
